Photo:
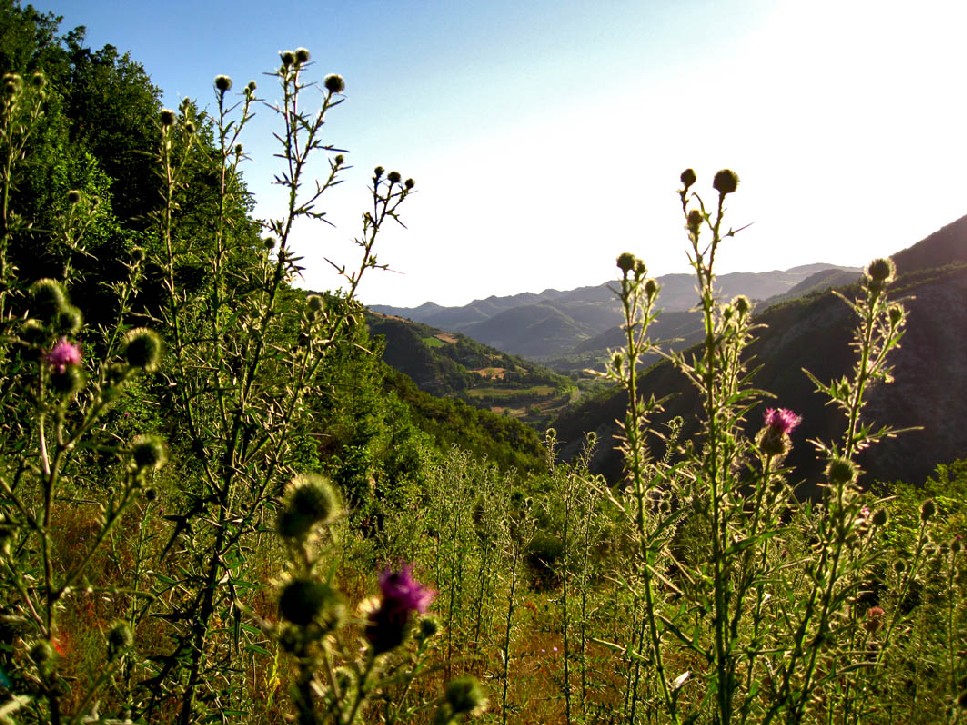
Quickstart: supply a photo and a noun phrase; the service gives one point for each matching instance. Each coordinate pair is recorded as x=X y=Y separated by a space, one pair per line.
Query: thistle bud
x=378 y=172
x=41 y=653
x=223 y=84
x=742 y=305
x=302 y=56
x=32 y=332
x=880 y=517
x=288 y=58
x=880 y=272
x=694 y=221
x=119 y=639
x=334 y=83
x=48 y=298
x=69 y=320
x=141 y=348
x=927 y=510
x=394 y=177
x=651 y=288
x=840 y=471
x=68 y=381
x=37 y=80
x=250 y=88
x=309 y=500
x=315 y=303
x=726 y=181
x=464 y=695
x=148 y=452
x=688 y=178
x=339 y=160
x=626 y=262
x=73 y=196
x=167 y=117
x=304 y=602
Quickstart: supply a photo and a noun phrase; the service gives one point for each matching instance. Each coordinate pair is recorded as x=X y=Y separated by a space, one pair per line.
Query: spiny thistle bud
x=167 y=117
x=223 y=84
x=694 y=221
x=315 y=303
x=150 y=494
x=268 y=243
x=250 y=88
x=726 y=181
x=651 y=288
x=881 y=271
x=67 y=382
x=148 y=452
x=626 y=262
x=895 y=312
x=302 y=55
x=12 y=83
x=742 y=304
x=309 y=500
x=141 y=348
x=137 y=255
x=37 y=80
x=73 y=196
x=334 y=83
x=409 y=184
x=119 y=639
x=288 y=58
x=69 y=320
x=339 y=160
x=41 y=653
x=394 y=177
x=465 y=696
x=32 y=332
x=429 y=627
x=304 y=602
x=688 y=178
x=238 y=149
x=927 y=510
x=840 y=471
x=48 y=298
x=880 y=517
x=640 y=269
x=189 y=127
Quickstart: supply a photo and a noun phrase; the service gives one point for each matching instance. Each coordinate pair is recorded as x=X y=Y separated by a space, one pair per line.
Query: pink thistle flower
x=402 y=596
x=781 y=421
x=63 y=354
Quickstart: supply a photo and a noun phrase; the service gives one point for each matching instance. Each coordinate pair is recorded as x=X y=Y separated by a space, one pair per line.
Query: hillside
x=453 y=365
x=814 y=332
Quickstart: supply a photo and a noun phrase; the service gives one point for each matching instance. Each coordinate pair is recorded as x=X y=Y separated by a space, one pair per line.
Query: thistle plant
x=762 y=585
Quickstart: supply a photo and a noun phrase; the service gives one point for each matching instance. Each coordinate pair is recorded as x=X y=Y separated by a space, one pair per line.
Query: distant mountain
x=563 y=329
x=814 y=332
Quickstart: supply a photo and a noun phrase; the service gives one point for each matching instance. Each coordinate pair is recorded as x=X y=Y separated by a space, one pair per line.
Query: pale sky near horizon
x=547 y=137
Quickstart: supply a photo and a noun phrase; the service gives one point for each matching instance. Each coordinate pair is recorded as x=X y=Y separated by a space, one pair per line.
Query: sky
x=546 y=137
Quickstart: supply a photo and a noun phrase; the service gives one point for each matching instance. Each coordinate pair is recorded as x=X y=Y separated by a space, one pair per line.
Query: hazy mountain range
x=569 y=330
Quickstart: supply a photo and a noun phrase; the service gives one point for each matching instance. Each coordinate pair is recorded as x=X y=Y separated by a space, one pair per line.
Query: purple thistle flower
x=63 y=354
x=781 y=421
x=402 y=596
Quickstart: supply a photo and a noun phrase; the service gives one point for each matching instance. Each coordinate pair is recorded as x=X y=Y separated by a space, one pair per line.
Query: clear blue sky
x=546 y=137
